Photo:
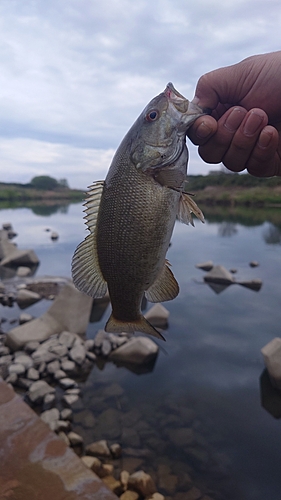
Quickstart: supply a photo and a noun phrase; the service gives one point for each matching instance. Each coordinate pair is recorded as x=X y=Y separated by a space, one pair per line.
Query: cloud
x=77 y=77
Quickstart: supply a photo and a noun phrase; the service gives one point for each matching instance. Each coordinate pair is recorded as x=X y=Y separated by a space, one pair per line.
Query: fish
x=131 y=215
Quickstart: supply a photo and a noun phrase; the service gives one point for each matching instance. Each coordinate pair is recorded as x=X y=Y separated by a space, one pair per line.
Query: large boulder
x=70 y=311
x=220 y=275
x=138 y=350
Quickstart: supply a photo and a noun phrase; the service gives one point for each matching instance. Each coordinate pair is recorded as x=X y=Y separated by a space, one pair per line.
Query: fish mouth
x=189 y=110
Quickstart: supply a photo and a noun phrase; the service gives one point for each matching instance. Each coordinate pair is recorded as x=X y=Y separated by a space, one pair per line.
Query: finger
x=202 y=129
x=214 y=150
x=264 y=160
x=244 y=140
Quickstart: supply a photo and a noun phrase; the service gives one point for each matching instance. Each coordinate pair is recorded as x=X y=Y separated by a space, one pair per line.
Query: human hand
x=244 y=128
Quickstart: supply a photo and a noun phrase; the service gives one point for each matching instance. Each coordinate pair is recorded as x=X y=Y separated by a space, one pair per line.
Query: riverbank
x=20 y=193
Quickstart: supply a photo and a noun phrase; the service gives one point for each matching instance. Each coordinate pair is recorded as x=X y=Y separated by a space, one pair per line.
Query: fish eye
x=152 y=116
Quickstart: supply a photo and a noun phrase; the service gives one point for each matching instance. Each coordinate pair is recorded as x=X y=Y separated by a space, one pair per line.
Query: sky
x=75 y=74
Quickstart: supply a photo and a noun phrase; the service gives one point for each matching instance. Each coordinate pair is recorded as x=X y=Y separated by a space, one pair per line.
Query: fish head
x=160 y=131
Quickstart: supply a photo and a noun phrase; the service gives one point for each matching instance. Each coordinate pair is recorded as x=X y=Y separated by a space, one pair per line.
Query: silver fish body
x=131 y=215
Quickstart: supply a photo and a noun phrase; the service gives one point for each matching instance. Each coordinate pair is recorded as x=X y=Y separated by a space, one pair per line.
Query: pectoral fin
x=187 y=206
x=170 y=178
x=86 y=273
x=165 y=287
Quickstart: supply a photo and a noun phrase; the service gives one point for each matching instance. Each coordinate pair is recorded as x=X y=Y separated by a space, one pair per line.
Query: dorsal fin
x=165 y=287
x=86 y=273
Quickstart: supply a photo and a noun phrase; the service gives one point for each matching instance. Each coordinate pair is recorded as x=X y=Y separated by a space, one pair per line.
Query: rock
x=106 y=348
x=63 y=425
x=78 y=354
x=255 y=284
x=67 y=339
x=4 y=351
x=53 y=367
x=98 y=449
x=106 y=470
x=31 y=346
x=16 y=368
x=113 y=484
x=59 y=374
x=24 y=383
x=64 y=437
x=116 y=450
x=130 y=495
x=67 y=383
x=18 y=257
x=112 y=391
x=70 y=311
x=38 y=390
x=142 y=483
x=25 y=360
x=183 y=436
x=68 y=366
x=138 y=350
x=7 y=226
x=26 y=298
x=70 y=399
x=33 y=374
x=23 y=271
x=60 y=350
x=124 y=478
x=158 y=316
x=91 y=356
x=254 y=263
x=24 y=318
x=66 y=414
x=75 y=439
x=54 y=236
x=272 y=358
x=193 y=494
x=92 y=463
x=219 y=275
x=109 y=423
x=85 y=418
x=205 y=266
x=130 y=437
x=11 y=379
x=51 y=418
x=156 y=496
x=49 y=401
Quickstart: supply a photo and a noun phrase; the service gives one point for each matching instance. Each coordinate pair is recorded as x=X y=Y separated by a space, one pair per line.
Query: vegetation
x=43 y=187
x=234 y=189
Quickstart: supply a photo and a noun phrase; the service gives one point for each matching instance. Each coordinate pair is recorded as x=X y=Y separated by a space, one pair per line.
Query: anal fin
x=139 y=325
x=165 y=287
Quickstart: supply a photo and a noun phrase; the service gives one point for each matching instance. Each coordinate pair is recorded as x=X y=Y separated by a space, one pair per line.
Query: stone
x=4 y=350
x=38 y=390
x=68 y=366
x=254 y=284
x=156 y=496
x=26 y=298
x=49 y=401
x=53 y=367
x=73 y=390
x=24 y=318
x=12 y=379
x=91 y=356
x=60 y=350
x=113 y=390
x=92 y=463
x=54 y=236
x=25 y=360
x=33 y=374
x=85 y=418
x=138 y=350
x=219 y=275
x=142 y=483
x=18 y=257
x=31 y=346
x=16 y=368
x=64 y=437
x=205 y=266
x=124 y=478
x=66 y=414
x=272 y=358
x=70 y=311
x=113 y=484
x=183 y=436
x=98 y=449
x=193 y=494
x=75 y=439
x=109 y=423
x=63 y=425
x=67 y=383
x=78 y=354
x=116 y=450
x=130 y=437
x=254 y=263
x=130 y=495
x=70 y=399
x=67 y=339
x=158 y=316
x=23 y=271
x=51 y=417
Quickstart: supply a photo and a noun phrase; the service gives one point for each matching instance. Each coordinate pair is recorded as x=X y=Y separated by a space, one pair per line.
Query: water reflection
x=271 y=235
x=227 y=229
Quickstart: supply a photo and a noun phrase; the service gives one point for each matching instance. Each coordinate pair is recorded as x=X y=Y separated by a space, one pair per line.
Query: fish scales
x=132 y=213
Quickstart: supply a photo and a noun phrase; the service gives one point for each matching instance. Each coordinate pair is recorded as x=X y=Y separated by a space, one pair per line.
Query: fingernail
x=203 y=131
x=252 y=123
x=234 y=119
x=264 y=139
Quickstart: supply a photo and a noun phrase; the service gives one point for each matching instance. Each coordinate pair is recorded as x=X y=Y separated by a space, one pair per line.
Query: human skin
x=243 y=130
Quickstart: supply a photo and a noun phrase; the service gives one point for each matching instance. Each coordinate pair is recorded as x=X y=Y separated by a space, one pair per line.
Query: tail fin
x=140 y=325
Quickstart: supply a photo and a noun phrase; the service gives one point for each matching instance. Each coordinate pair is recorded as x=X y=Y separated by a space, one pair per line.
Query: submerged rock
x=138 y=350
x=142 y=483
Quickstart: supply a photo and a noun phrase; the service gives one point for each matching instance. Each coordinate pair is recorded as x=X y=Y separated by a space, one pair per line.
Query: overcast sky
x=75 y=74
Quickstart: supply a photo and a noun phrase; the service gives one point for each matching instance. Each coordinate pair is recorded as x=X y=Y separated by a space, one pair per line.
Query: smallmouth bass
x=131 y=215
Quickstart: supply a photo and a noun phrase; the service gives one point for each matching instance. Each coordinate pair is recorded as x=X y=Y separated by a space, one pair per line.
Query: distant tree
x=44 y=182
x=63 y=183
